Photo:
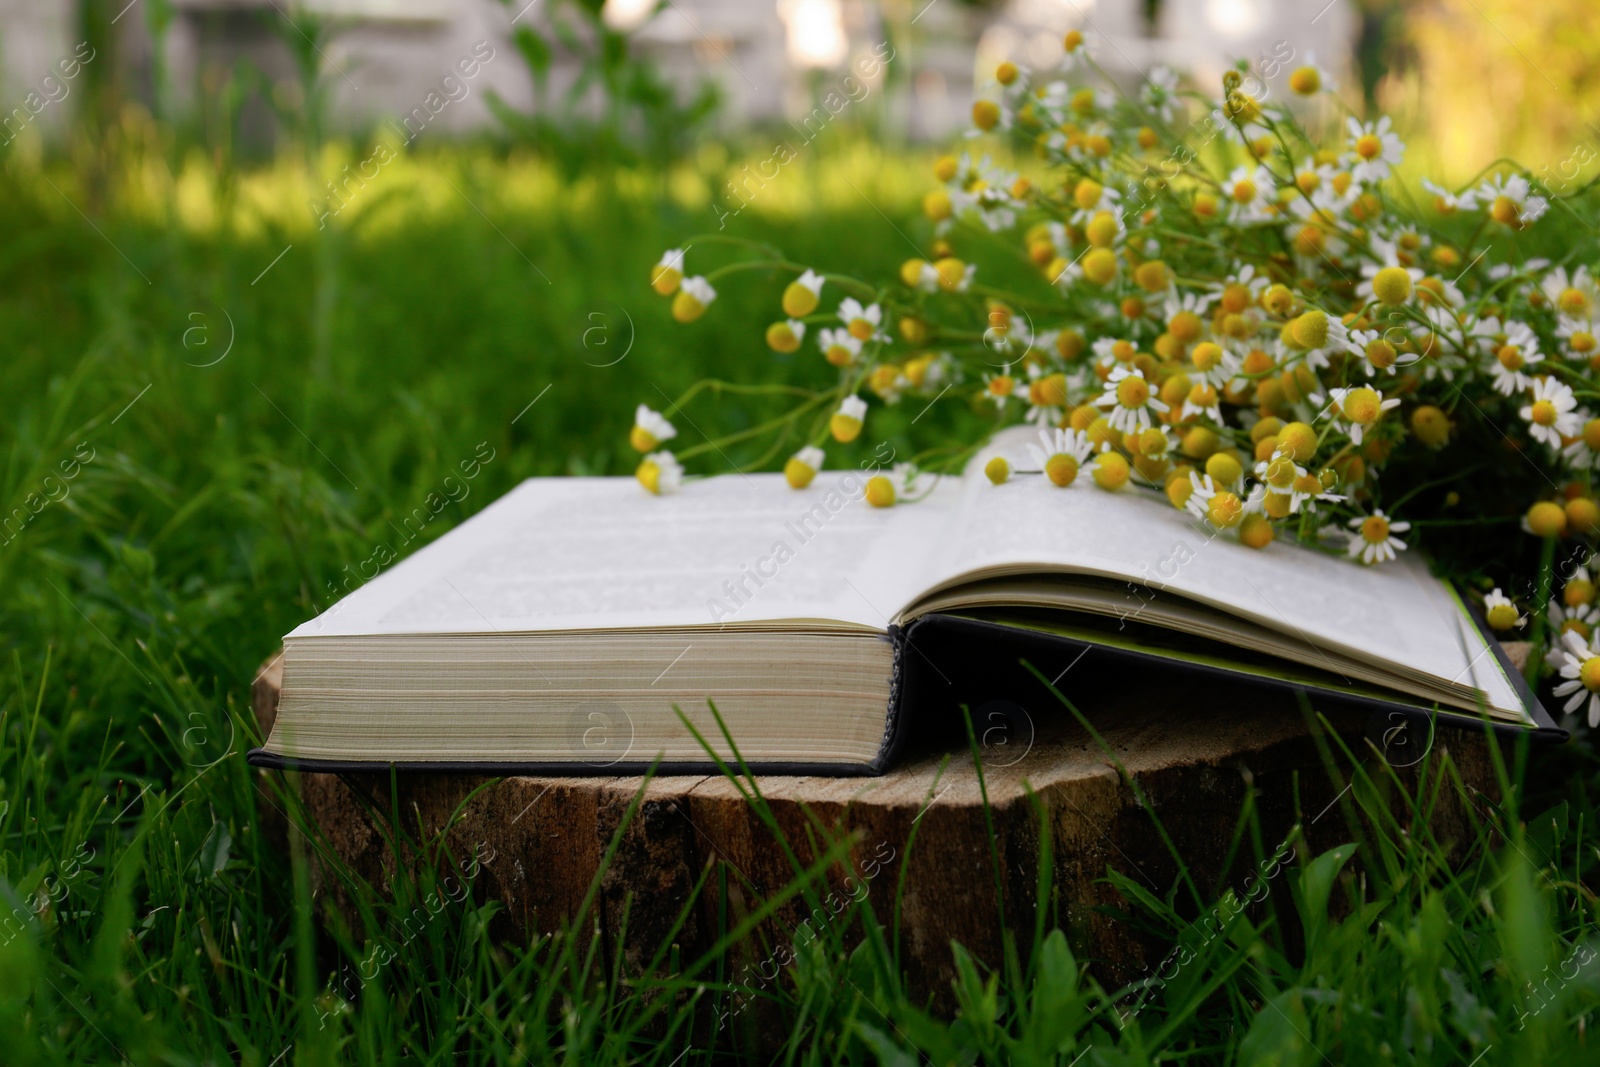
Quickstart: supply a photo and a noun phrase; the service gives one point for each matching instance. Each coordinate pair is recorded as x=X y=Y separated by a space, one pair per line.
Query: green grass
x=212 y=508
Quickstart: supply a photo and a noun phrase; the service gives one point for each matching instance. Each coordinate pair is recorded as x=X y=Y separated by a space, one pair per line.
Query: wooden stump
x=1192 y=758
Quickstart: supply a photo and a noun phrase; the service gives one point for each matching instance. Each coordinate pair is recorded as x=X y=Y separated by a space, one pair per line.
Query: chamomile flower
x=803 y=466
x=1060 y=453
x=1510 y=201
x=1311 y=78
x=1515 y=357
x=803 y=294
x=1501 y=613
x=1212 y=503
x=1582 y=337
x=845 y=424
x=1253 y=194
x=666 y=275
x=1580 y=619
x=1373 y=540
x=1000 y=387
x=694 y=295
x=838 y=346
x=1160 y=92
x=1447 y=203
x=1359 y=408
x=1580 y=454
x=1573 y=295
x=650 y=429
x=1550 y=413
x=1131 y=400
x=1375 y=149
x=1580 y=669
x=862 y=322
x=660 y=473
x=1212 y=364
x=1079 y=49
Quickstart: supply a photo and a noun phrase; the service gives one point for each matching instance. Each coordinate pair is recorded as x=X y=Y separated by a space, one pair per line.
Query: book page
x=601 y=553
x=1393 y=612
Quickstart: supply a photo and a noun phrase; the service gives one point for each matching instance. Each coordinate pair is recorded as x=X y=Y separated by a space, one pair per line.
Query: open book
x=579 y=623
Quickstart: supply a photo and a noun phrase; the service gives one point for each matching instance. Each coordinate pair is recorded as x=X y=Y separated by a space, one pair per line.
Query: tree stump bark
x=1187 y=759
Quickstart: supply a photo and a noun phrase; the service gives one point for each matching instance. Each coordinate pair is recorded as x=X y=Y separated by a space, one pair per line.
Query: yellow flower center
x=1185 y=326
x=1225 y=509
x=1133 y=392
x=985 y=115
x=1002 y=385
x=1589 y=674
x=1502 y=616
x=1572 y=301
x=1392 y=285
x=1061 y=469
x=1510 y=357
x=1206 y=356
x=1577 y=593
x=1072 y=41
x=649 y=475
x=1281 y=472
x=1505 y=211
x=1308 y=181
x=1362 y=406
x=1375 y=529
x=642 y=440
x=1577 y=626
x=1544 y=413
x=1305 y=80
x=1244 y=191
x=860 y=329
x=1369 y=146
x=1124 y=351
x=1581 y=341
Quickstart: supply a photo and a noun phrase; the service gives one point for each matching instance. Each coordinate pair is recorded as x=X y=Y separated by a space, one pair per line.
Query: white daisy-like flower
x=862 y=322
x=1580 y=667
x=1253 y=194
x=1060 y=453
x=1448 y=203
x=1387 y=255
x=1572 y=295
x=906 y=476
x=1551 y=413
x=650 y=428
x=660 y=473
x=1582 y=337
x=1578 y=454
x=1375 y=150
x=1359 y=408
x=838 y=345
x=1373 y=540
x=700 y=289
x=1209 y=502
x=1510 y=200
x=1130 y=399
x=927 y=278
x=1501 y=613
x=1323 y=78
x=1080 y=48
x=1581 y=619
x=1160 y=92
x=1000 y=387
x=1514 y=358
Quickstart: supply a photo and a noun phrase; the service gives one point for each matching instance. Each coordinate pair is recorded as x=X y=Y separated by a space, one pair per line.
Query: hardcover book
x=580 y=623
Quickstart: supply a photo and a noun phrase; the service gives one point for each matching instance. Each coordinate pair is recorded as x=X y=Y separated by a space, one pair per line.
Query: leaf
x=1316 y=885
x=1278 y=1036
x=213 y=854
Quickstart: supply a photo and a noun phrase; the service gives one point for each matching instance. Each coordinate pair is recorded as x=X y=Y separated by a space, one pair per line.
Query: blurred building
x=770 y=59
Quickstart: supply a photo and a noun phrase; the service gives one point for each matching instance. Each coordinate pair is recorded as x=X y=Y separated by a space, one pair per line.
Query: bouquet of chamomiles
x=1263 y=324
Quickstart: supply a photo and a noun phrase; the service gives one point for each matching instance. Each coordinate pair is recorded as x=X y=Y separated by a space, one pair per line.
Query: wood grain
x=1193 y=756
